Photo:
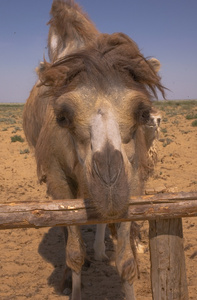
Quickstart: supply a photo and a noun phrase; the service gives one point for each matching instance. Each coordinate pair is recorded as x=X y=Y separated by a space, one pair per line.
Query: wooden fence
x=164 y=212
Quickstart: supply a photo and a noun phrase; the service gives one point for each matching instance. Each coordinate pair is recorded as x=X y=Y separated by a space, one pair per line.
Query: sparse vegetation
x=10 y=113
x=163 y=130
x=185 y=104
x=191 y=116
x=194 y=123
x=166 y=141
x=16 y=129
x=17 y=138
x=25 y=151
x=8 y=121
x=178 y=107
x=185 y=131
x=165 y=120
x=175 y=122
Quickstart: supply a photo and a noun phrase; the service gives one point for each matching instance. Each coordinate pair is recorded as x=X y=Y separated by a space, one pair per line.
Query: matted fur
x=107 y=59
x=70 y=26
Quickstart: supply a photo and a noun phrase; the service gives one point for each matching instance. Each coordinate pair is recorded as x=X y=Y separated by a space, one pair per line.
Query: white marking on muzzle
x=104 y=128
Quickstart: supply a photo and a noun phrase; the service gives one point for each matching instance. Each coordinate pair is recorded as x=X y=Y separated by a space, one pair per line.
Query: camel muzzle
x=107 y=165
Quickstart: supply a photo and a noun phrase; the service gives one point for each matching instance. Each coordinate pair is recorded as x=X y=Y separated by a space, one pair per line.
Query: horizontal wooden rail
x=81 y=212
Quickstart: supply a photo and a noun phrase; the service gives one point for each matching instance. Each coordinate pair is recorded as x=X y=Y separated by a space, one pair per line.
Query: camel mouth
x=112 y=213
x=112 y=200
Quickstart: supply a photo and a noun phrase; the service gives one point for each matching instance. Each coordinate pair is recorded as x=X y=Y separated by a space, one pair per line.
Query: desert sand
x=31 y=260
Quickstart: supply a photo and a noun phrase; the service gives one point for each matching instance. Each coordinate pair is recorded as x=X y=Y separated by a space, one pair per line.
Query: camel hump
x=70 y=29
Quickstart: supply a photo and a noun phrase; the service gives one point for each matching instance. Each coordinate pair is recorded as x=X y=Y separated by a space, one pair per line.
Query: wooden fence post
x=168 y=270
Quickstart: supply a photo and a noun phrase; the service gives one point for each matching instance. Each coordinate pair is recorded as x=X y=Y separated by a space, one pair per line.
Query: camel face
x=100 y=99
x=103 y=130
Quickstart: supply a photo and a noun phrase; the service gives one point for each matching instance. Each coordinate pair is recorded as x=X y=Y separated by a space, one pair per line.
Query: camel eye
x=63 y=121
x=64 y=116
x=142 y=113
x=145 y=116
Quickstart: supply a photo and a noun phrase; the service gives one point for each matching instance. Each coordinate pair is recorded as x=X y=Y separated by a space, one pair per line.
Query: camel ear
x=70 y=29
x=40 y=68
x=47 y=75
x=155 y=63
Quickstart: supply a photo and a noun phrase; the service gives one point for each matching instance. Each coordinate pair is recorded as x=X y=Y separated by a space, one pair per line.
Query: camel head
x=101 y=88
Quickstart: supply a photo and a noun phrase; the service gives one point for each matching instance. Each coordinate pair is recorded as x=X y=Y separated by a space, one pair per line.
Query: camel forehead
x=88 y=101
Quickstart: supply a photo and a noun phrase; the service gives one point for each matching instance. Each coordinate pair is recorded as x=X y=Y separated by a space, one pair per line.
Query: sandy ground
x=31 y=260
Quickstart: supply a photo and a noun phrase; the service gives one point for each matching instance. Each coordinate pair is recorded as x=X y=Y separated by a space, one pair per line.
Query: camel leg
x=99 y=244
x=75 y=255
x=76 y=286
x=125 y=260
x=129 y=291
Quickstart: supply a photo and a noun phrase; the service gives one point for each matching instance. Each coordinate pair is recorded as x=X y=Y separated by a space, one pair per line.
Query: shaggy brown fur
x=71 y=27
x=108 y=59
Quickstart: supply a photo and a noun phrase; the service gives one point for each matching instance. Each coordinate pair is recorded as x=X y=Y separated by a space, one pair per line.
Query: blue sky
x=165 y=29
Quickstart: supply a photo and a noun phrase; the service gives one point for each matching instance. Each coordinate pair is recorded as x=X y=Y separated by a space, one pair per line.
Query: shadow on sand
x=99 y=279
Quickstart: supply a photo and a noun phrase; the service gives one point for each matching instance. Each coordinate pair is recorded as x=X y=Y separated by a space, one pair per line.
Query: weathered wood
x=168 y=270
x=78 y=211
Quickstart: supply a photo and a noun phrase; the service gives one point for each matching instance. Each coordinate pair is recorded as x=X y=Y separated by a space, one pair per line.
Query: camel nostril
x=107 y=165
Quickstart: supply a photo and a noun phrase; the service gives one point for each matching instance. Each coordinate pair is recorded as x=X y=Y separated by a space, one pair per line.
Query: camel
x=92 y=125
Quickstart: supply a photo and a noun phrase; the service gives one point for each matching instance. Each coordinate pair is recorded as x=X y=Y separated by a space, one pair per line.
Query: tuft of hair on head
x=124 y=55
x=70 y=29
x=109 y=59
